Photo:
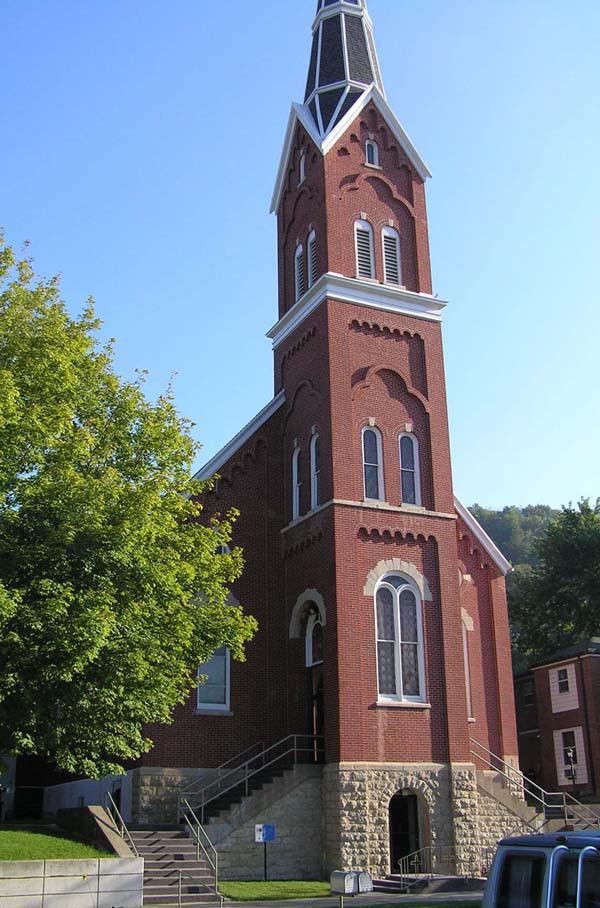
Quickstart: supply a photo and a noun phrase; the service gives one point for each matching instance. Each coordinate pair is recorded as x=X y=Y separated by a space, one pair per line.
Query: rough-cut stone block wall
x=154 y=793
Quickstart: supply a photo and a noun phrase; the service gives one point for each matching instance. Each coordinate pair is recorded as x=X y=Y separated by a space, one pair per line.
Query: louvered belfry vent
x=300 y=274
x=364 y=252
x=391 y=255
x=312 y=260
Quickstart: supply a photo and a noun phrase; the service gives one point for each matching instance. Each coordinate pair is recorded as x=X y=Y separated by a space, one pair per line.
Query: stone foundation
x=154 y=792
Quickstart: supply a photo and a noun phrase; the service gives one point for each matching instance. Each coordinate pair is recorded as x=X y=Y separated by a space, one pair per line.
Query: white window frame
x=296 y=484
x=392 y=233
x=564 y=672
x=416 y=451
x=310 y=626
x=311 y=259
x=302 y=167
x=299 y=271
x=315 y=474
x=212 y=708
x=380 y=472
x=366 y=226
x=371 y=143
x=407 y=584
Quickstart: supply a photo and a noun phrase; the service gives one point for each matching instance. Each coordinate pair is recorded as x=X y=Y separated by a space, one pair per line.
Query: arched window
x=296 y=483
x=365 y=261
x=315 y=471
x=300 y=271
x=372 y=153
x=392 y=267
x=314 y=641
x=302 y=167
x=312 y=259
x=373 y=463
x=409 y=468
x=400 y=657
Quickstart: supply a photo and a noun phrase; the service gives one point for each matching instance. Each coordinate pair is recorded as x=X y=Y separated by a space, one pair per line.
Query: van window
x=521 y=881
x=565 y=892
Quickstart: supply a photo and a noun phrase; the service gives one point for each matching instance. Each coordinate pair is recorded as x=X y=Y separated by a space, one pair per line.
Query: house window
x=372 y=153
x=528 y=693
x=400 y=658
x=302 y=168
x=569 y=751
x=300 y=271
x=409 y=468
x=214 y=693
x=392 y=267
x=373 y=464
x=315 y=471
x=563 y=681
x=312 y=259
x=296 y=483
x=314 y=641
x=365 y=262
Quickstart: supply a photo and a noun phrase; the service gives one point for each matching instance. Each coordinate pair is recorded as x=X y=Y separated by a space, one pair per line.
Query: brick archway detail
x=298 y=611
x=395 y=565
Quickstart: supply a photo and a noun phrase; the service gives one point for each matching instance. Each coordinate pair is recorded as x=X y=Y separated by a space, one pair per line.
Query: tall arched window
x=372 y=153
x=315 y=471
x=392 y=266
x=373 y=463
x=400 y=656
x=300 y=271
x=365 y=260
x=302 y=167
x=314 y=640
x=467 y=659
x=312 y=259
x=409 y=469
x=296 y=483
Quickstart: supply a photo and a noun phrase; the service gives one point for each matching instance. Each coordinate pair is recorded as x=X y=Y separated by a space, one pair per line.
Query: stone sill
x=213 y=712
x=401 y=704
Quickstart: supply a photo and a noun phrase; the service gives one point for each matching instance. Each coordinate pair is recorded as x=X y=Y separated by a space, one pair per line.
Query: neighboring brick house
x=381 y=603
x=558 y=720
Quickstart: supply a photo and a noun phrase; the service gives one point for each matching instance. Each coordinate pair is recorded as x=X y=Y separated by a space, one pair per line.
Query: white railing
x=202 y=839
x=551 y=803
x=291 y=750
x=119 y=822
x=443 y=860
x=215 y=774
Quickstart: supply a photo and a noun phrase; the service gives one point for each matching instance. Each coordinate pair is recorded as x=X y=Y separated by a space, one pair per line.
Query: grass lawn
x=275 y=891
x=37 y=846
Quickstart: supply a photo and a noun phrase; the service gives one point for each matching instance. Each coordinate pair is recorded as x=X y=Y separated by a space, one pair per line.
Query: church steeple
x=343 y=62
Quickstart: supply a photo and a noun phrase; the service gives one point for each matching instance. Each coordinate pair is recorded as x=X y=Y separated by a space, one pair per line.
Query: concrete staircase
x=175 y=874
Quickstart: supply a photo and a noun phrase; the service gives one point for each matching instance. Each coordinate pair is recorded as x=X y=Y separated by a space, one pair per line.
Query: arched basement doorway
x=409 y=827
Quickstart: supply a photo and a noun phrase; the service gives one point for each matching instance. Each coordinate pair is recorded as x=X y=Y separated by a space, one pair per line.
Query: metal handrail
x=566 y=802
x=202 y=781
x=198 y=831
x=243 y=773
x=119 y=822
x=425 y=864
x=190 y=876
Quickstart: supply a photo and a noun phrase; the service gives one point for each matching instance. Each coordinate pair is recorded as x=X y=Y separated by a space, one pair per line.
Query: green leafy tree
x=112 y=590
x=557 y=603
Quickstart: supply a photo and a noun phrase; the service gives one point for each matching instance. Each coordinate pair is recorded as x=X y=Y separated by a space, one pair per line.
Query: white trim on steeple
x=301 y=113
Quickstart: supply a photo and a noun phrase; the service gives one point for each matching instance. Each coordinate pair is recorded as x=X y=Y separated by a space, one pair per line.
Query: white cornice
x=361 y=293
x=213 y=466
x=482 y=537
x=302 y=114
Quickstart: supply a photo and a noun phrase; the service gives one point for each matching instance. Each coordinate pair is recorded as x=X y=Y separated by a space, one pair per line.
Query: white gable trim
x=362 y=293
x=482 y=537
x=213 y=466
x=300 y=113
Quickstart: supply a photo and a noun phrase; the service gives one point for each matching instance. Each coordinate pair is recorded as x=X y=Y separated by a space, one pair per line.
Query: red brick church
x=383 y=648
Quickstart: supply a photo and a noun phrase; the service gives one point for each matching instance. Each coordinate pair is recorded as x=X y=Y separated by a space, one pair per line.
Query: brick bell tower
x=402 y=587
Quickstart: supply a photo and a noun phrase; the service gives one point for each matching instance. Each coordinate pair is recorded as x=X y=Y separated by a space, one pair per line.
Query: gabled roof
x=488 y=546
x=300 y=114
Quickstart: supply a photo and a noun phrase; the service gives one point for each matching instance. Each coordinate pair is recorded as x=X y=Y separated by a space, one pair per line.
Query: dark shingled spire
x=343 y=61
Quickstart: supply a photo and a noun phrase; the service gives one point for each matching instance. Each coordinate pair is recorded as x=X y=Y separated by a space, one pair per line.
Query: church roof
x=343 y=61
x=343 y=77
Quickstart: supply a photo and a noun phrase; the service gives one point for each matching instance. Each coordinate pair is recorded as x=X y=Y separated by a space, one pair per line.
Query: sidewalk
x=369 y=901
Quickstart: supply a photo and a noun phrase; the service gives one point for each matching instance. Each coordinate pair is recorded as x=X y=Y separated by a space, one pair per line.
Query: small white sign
x=264 y=832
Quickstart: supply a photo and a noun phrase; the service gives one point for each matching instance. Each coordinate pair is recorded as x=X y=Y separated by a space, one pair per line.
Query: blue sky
x=138 y=148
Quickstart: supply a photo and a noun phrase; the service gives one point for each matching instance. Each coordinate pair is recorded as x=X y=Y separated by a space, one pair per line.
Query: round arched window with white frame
x=400 y=651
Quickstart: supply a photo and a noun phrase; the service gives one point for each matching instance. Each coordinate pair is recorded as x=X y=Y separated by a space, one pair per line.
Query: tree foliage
x=112 y=590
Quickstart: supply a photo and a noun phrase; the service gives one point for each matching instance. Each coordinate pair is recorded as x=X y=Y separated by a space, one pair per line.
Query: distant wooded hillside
x=515 y=530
